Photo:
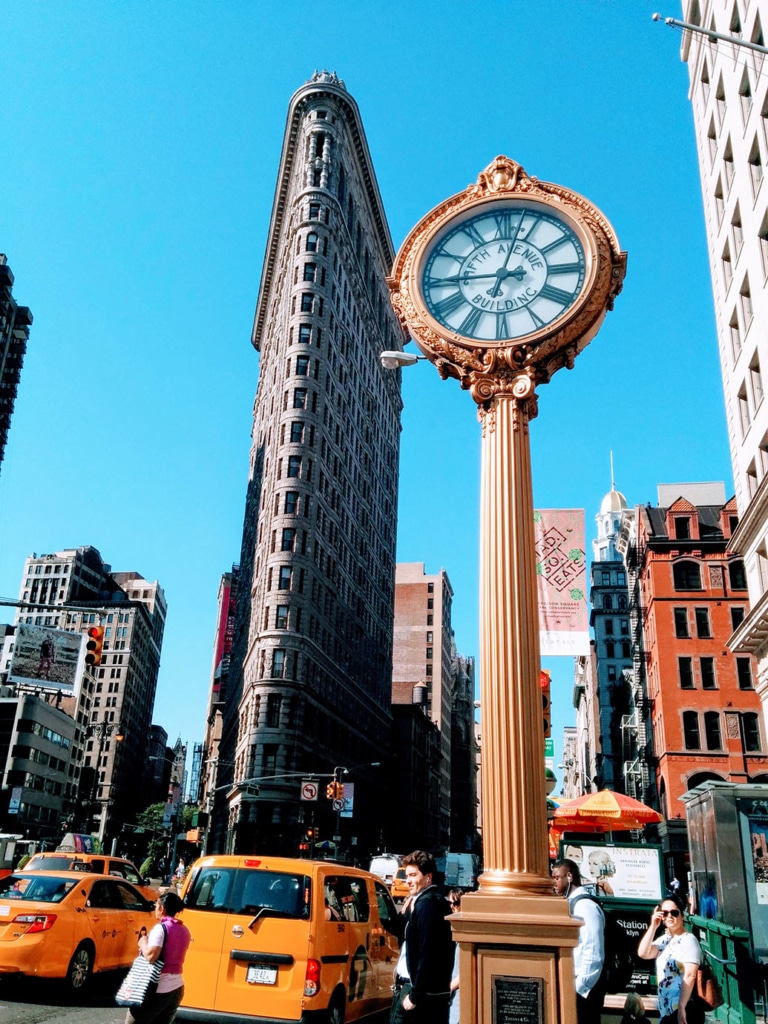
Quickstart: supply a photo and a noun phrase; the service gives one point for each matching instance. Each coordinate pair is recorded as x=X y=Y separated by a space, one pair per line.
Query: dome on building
x=614 y=501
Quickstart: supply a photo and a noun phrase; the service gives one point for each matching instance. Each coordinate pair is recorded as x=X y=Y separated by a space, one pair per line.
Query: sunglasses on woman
x=670 y=913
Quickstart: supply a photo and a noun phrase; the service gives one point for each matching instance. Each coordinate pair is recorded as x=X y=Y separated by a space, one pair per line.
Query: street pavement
x=37 y=1001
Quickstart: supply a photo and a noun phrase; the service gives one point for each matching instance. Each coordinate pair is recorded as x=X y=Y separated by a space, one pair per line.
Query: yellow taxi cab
x=97 y=863
x=399 y=888
x=66 y=924
x=282 y=939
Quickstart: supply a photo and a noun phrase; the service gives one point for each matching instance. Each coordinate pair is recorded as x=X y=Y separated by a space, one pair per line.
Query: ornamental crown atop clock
x=512 y=261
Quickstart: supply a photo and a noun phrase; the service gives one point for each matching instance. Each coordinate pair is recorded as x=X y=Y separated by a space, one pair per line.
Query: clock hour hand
x=518 y=273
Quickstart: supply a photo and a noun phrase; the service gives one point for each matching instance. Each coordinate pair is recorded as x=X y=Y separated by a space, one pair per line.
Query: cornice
x=752 y=521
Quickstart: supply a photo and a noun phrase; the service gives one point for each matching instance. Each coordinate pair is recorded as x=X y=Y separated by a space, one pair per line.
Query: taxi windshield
x=41 y=889
x=245 y=891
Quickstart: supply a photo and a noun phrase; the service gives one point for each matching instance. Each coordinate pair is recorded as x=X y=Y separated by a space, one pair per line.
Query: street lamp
x=102 y=731
x=500 y=286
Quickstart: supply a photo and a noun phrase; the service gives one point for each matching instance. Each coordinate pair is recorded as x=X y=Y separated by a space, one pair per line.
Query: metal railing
x=729 y=954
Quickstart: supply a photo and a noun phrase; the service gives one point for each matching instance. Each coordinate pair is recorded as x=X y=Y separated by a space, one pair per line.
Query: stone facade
x=15 y=321
x=729 y=99
x=310 y=674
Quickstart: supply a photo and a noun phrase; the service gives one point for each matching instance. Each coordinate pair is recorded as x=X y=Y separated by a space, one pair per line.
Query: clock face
x=503 y=272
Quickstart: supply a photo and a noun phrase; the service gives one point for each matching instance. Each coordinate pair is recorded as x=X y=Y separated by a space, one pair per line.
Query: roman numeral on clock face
x=474 y=234
x=564 y=268
x=448 y=305
x=470 y=322
x=502 y=328
x=555 y=294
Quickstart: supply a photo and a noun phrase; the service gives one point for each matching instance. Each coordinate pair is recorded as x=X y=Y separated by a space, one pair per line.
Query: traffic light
x=94 y=645
x=545 y=679
x=334 y=790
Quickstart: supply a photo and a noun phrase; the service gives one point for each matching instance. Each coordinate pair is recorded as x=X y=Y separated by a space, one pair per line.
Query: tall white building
x=729 y=98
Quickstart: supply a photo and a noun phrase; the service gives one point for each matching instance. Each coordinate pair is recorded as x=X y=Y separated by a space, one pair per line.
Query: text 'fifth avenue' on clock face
x=504 y=272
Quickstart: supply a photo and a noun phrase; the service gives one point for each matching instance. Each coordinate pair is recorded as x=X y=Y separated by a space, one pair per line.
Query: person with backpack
x=589 y=954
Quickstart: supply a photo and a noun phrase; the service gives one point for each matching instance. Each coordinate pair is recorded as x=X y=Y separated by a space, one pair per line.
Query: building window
x=305 y=334
x=733 y=324
x=429 y=636
x=737 y=576
x=756 y=380
x=744 y=673
x=307 y=301
x=291 y=506
x=685 y=670
x=745 y=298
x=605 y=578
x=728 y=165
x=310 y=269
x=727 y=266
x=691 y=736
x=288 y=539
x=608 y=603
x=429 y=653
x=686 y=576
x=273 y=709
x=302 y=366
x=681 y=622
x=712 y=730
x=682 y=527
x=750 y=725
x=609 y=627
x=297 y=432
x=294 y=465
x=625 y=649
x=281 y=617
x=278 y=663
x=284 y=582
x=611 y=673
x=702 y=624
x=314 y=211
x=299 y=398
x=755 y=166
x=610 y=649
x=707 y=666
x=312 y=242
x=737 y=617
x=430 y=602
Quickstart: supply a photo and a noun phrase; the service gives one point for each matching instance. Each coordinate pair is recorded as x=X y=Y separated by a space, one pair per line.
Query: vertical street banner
x=561 y=575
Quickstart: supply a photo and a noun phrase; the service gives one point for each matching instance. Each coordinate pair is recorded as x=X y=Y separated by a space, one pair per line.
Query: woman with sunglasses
x=678 y=954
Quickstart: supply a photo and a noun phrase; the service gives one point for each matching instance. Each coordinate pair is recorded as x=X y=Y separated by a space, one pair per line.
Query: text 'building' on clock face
x=503 y=270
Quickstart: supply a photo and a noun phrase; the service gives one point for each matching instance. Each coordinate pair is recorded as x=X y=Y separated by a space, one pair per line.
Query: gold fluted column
x=513 y=784
x=515 y=935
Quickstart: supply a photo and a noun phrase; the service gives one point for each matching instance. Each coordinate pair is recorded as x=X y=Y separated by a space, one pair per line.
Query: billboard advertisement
x=52 y=659
x=561 y=577
x=627 y=872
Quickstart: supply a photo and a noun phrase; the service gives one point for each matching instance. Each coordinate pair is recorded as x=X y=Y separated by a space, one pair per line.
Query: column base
x=516 y=959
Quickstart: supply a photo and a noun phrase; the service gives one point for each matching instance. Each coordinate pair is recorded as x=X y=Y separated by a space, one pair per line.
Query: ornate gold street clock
x=510 y=278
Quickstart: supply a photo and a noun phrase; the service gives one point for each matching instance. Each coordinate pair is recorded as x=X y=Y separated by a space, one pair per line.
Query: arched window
x=691 y=737
x=698 y=777
x=712 y=730
x=622 y=603
x=686 y=575
x=608 y=603
x=750 y=724
x=737 y=576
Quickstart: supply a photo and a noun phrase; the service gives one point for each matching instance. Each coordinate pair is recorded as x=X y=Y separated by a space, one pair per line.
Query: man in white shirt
x=589 y=954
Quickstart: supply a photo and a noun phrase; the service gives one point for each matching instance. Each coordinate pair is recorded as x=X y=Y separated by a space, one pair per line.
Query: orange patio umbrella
x=605 y=811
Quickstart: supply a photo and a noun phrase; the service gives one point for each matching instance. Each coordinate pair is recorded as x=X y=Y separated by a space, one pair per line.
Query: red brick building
x=688 y=594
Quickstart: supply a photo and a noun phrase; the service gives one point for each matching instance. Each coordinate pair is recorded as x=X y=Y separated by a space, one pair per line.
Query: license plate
x=257 y=974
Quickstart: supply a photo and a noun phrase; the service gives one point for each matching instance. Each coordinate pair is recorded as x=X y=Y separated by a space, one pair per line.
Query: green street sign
x=549 y=747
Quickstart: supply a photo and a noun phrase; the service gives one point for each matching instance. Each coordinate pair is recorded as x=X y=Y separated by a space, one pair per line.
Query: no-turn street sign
x=308 y=790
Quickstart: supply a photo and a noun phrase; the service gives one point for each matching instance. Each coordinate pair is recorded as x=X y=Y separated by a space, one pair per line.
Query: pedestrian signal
x=94 y=645
x=545 y=680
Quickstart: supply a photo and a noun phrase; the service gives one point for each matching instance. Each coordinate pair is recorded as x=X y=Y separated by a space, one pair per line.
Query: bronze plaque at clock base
x=517 y=1000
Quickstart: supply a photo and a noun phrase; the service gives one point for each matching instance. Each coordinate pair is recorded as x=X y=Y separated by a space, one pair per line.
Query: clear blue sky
x=140 y=147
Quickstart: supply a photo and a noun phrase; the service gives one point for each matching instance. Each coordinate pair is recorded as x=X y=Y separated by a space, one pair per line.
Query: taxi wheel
x=335 y=1013
x=80 y=968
